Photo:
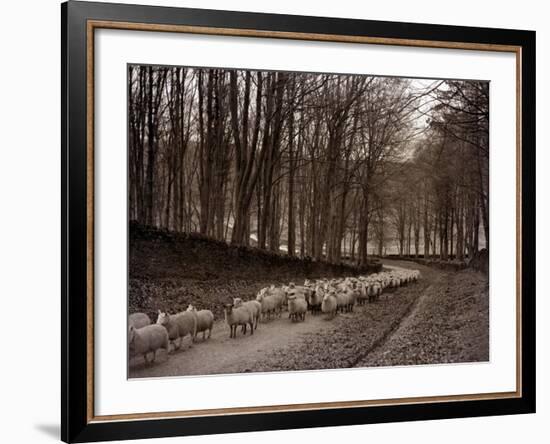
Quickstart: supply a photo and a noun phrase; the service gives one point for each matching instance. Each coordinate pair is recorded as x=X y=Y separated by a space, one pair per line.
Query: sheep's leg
x=252 y=327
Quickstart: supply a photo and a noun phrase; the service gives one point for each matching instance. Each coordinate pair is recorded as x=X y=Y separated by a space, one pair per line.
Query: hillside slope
x=171 y=270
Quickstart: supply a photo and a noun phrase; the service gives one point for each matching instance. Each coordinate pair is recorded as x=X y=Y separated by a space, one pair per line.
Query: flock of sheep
x=329 y=296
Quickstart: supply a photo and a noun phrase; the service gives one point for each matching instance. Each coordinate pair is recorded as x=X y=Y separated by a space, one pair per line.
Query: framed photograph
x=276 y=221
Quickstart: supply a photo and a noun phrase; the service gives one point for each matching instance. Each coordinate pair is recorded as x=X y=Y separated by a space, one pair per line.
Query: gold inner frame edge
x=105 y=24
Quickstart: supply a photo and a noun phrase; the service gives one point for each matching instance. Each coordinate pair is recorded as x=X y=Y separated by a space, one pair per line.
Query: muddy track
x=449 y=323
x=369 y=336
x=394 y=329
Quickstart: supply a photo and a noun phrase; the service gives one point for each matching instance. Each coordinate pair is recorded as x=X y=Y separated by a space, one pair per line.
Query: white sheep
x=363 y=292
x=269 y=304
x=138 y=320
x=316 y=299
x=346 y=300
x=254 y=307
x=297 y=308
x=204 y=320
x=149 y=338
x=330 y=304
x=280 y=297
x=178 y=326
x=374 y=292
x=306 y=291
x=235 y=316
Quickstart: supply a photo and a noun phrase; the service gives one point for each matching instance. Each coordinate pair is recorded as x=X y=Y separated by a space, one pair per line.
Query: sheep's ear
x=159 y=311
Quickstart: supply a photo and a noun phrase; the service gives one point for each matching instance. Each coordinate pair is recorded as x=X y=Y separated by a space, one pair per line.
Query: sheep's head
x=191 y=308
x=163 y=318
x=237 y=302
x=228 y=308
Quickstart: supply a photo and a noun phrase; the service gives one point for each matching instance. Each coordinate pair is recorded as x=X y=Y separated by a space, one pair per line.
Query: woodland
x=333 y=167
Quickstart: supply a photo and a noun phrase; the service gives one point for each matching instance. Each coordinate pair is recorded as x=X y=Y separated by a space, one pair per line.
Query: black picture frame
x=76 y=328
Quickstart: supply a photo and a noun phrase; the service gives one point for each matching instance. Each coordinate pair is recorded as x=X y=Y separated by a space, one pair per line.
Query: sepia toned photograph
x=296 y=221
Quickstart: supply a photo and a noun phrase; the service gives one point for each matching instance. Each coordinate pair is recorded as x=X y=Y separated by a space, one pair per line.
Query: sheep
x=255 y=309
x=204 y=320
x=253 y=306
x=178 y=326
x=394 y=283
x=316 y=299
x=149 y=338
x=346 y=300
x=297 y=308
x=298 y=293
x=235 y=316
x=306 y=291
x=269 y=304
x=171 y=326
x=280 y=296
x=187 y=324
x=374 y=292
x=138 y=320
x=363 y=291
x=330 y=304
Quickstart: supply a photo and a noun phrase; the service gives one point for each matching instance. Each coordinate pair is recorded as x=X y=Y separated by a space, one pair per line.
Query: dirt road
x=442 y=318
